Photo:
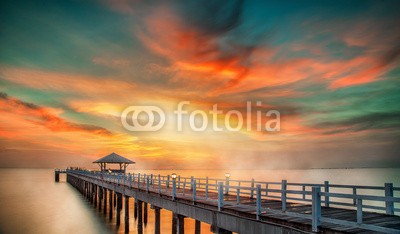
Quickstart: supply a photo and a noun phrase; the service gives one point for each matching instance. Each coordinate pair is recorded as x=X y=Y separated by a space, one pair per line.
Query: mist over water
x=31 y=202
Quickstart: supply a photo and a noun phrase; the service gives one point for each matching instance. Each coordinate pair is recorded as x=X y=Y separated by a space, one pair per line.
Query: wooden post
x=206 y=189
x=167 y=181
x=220 y=196
x=181 y=224
x=354 y=194
x=227 y=186
x=95 y=195
x=57 y=176
x=119 y=205
x=389 y=195
x=238 y=196
x=159 y=184
x=191 y=183
x=100 y=191
x=157 y=226
x=120 y=201
x=145 y=207
x=194 y=191
x=266 y=190
x=283 y=196
x=174 y=222
x=105 y=201
x=316 y=208
x=252 y=189
x=326 y=190
x=216 y=229
x=110 y=205
x=135 y=209
x=197 y=227
x=87 y=195
x=179 y=181
x=90 y=192
x=115 y=199
x=359 y=211
x=138 y=181
x=147 y=184
x=173 y=189
x=140 y=215
x=126 y=214
x=304 y=192
x=258 y=202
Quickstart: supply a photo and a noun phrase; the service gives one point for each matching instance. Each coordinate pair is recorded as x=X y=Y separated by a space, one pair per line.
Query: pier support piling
x=181 y=224
x=57 y=176
x=140 y=216
x=110 y=205
x=157 y=220
x=95 y=195
x=197 y=227
x=126 y=214
x=174 y=223
x=91 y=193
x=119 y=206
x=100 y=191
x=145 y=206
x=115 y=199
x=87 y=191
x=105 y=201
x=135 y=209
x=219 y=230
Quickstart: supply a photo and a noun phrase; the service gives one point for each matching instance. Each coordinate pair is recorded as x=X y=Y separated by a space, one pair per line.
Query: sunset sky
x=331 y=68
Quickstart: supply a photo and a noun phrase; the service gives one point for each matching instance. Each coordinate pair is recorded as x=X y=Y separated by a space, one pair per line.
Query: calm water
x=31 y=202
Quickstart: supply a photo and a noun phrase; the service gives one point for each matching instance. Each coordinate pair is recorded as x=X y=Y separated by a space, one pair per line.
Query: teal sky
x=69 y=68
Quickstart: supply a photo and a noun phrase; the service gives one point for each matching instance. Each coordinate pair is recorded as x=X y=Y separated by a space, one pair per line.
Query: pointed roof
x=113 y=158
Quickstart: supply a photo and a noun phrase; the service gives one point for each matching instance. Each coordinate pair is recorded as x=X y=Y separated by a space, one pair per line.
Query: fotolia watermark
x=153 y=118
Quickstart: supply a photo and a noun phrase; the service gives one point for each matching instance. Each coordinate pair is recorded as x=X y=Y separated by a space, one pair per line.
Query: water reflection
x=31 y=202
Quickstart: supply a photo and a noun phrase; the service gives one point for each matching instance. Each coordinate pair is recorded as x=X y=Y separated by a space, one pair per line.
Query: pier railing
x=214 y=191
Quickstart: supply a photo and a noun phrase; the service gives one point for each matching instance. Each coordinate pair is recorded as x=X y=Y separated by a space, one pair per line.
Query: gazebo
x=114 y=158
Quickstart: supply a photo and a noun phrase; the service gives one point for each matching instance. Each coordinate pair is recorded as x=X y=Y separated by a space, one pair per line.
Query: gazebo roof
x=114 y=158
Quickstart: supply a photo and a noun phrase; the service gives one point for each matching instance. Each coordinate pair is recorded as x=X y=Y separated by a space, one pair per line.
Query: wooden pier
x=244 y=206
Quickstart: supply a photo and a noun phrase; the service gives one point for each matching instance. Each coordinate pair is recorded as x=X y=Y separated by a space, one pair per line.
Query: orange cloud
x=45 y=117
x=190 y=50
x=364 y=69
x=62 y=82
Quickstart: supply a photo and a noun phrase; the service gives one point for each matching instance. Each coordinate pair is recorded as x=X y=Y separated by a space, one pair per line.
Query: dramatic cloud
x=45 y=117
x=331 y=70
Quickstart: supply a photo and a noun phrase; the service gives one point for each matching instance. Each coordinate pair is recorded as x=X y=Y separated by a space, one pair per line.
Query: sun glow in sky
x=331 y=68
